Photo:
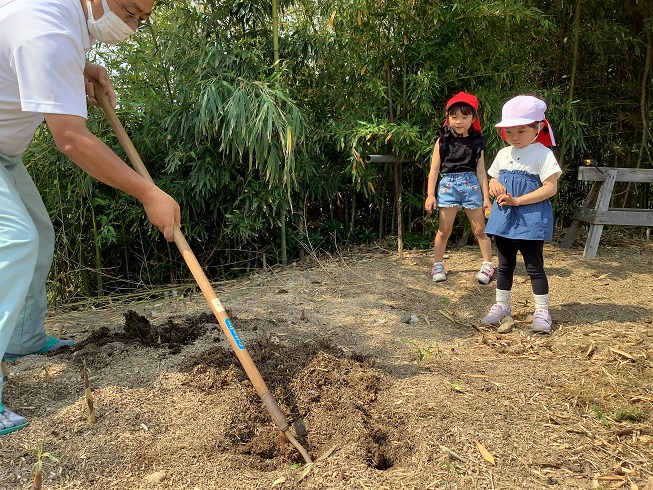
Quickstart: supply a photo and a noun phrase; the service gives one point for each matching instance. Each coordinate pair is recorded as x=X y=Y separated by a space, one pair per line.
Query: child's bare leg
x=447 y=218
x=477 y=220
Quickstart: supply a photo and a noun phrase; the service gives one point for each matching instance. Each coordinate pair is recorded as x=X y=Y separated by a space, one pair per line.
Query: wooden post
x=574 y=228
x=594 y=235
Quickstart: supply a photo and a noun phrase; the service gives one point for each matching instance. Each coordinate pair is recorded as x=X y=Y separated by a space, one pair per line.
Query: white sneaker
x=437 y=272
x=495 y=315
x=542 y=322
x=485 y=274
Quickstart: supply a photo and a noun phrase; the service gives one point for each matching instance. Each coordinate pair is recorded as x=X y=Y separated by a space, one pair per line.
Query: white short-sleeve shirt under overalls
x=42 y=57
x=521 y=171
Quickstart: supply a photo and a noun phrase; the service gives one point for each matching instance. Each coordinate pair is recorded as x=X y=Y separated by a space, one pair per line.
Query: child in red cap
x=524 y=177
x=458 y=156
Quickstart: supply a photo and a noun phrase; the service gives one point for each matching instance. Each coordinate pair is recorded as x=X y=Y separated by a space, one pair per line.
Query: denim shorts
x=460 y=189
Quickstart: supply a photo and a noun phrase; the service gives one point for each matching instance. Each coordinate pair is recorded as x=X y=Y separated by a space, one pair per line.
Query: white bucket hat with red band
x=524 y=110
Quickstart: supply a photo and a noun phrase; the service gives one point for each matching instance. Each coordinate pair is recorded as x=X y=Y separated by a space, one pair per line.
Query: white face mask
x=109 y=28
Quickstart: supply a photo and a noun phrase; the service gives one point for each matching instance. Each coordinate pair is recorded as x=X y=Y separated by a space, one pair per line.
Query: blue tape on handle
x=234 y=334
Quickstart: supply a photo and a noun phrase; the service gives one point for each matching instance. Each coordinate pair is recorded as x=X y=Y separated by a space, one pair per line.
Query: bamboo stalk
x=37 y=481
x=90 y=414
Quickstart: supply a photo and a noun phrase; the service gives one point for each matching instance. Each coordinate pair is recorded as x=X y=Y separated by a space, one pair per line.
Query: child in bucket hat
x=524 y=176
x=458 y=157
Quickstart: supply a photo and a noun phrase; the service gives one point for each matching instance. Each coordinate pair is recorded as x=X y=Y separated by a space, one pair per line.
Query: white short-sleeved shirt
x=43 y=45
x=535 y=159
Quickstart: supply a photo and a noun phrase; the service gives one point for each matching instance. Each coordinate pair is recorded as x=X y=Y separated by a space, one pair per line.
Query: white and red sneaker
x=485 y=274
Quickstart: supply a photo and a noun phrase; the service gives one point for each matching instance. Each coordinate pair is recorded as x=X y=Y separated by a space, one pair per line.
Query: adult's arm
x=73 y=138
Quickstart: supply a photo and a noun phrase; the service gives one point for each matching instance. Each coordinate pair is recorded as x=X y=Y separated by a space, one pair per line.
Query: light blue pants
x=26 y=250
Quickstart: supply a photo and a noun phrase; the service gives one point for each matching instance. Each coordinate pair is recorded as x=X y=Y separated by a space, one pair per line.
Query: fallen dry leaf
x=446 y=315
x=305 y=471
x=327 y=453
x=622 y=353
x=485 y=453
x=645 y=440
x=610 y=477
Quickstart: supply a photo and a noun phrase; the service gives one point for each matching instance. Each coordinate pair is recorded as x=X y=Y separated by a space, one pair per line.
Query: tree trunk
x=572 y=80
x=411 y=190
x=352 y=222
x=629 y=200
x=98 y=256
x=275 y=49
x=381 y=206
x=395 y=167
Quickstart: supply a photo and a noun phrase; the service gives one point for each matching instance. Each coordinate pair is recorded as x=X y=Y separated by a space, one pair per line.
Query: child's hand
x=507 y=200
x=487 y=205
x=430 y=204
x=496 y=188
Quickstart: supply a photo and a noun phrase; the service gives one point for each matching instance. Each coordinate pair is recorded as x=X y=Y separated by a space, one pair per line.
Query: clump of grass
x=458 y=386
x=628 y=415
x=423 y=354
x=602 y=393
x=598 y=411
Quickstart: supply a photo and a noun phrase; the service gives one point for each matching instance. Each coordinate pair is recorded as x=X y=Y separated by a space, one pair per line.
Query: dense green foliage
x=244 y=143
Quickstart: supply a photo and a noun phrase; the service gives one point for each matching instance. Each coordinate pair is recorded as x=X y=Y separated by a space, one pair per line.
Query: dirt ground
x=380 y=401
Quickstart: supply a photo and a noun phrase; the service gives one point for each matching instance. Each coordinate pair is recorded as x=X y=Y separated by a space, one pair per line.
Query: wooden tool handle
x=202 y=281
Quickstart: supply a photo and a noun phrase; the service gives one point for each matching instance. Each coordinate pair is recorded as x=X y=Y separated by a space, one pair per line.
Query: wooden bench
x=596 y=211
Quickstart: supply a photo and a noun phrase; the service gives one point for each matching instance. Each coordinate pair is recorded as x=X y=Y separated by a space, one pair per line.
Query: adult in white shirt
x=44 y=76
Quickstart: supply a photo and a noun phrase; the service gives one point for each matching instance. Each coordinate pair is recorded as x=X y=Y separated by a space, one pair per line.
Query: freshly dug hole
x=327 y=398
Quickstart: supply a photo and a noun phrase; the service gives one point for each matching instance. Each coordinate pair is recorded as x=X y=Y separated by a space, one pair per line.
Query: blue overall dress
x=529 y=222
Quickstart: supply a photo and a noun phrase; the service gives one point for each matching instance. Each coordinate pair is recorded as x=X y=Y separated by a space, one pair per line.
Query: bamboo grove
x=257 y=117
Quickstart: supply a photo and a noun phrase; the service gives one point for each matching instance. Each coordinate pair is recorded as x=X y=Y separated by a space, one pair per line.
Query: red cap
x=468 y=99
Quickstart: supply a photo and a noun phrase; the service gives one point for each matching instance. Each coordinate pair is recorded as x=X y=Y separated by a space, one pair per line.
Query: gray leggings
x=532 y=252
